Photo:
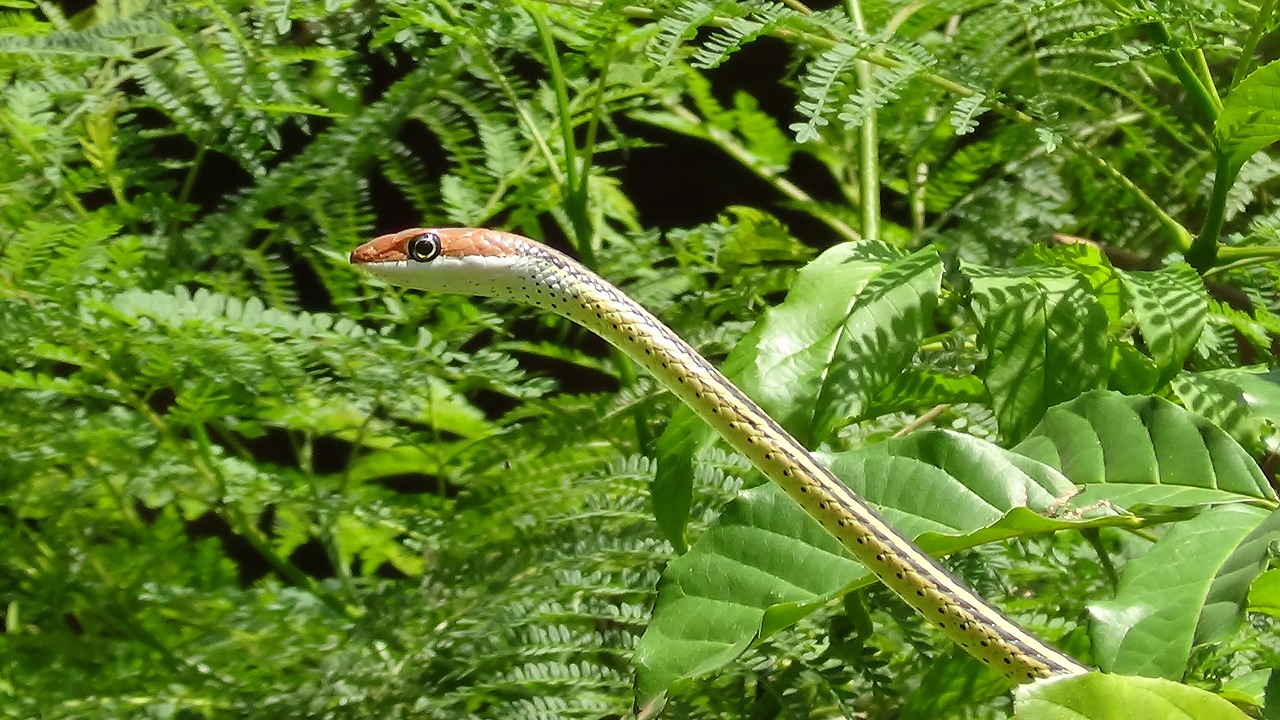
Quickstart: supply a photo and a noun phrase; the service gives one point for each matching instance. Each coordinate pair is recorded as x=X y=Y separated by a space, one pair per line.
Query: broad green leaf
x=1264 y=595
x=1098 y=696
x=1132 y=451
x=879 y=335
x=1089 y=262
x=1170 y=306
x=1151 y=625
x=765 y=563
x=852 y=320
x=1232 y=589
x=1250 y=117
x=1132 y=372
x=1243 y=401
x=1043 y=331
x=1247 y=689
x=763 y=550
x=916 y=388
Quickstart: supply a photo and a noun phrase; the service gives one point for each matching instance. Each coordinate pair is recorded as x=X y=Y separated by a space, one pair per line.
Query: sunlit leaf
x=1098 y=696
x=1250 y=118
x=1149 y=628
x=1041 y=328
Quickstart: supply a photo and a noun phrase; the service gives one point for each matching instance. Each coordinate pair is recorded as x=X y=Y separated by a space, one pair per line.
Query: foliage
x=237 y=479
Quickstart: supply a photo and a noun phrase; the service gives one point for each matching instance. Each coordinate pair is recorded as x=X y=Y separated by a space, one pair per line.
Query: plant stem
x=1199 y=87
x=1234 y=257
x=575 y=196
x=1181 y=235
x=1203 y=252
x=1251 y=41
x=868 y=150
x=1204 y=100
x=1236 y=253
x=1094 y=538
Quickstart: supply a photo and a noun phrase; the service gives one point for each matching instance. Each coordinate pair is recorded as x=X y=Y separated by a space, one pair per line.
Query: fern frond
x=820 y=82
x=49 y=255
x=886 y=86
x=680 y=25
x=964 y=115
x=747 y=21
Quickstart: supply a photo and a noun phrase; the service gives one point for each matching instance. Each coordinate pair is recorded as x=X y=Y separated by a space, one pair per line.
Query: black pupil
x=423 y=247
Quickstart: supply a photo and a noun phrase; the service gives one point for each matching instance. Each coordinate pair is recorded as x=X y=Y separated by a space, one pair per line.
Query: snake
x=498 y=264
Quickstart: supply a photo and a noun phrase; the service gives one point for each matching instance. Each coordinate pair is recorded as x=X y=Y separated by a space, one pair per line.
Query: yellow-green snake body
x=492 y=263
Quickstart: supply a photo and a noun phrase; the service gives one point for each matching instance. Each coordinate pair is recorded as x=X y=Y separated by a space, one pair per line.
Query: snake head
x=426 y=244
x=469 y=261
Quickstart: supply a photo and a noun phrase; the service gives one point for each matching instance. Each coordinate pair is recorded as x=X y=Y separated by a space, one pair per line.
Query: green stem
x=1237 y=253
x=1206 y=77
x=868 y=150
x=1251 y=41
x=575 y=197
x=1181 y=235
x=305 y=452
x=1094 y=538
x=1204 y=100
x=1203 y=252
x=1234 y=257
x=1196 y=85
x=576 y=191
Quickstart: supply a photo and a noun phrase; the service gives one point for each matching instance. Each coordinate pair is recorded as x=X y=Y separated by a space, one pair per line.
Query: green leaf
x=762 y=551
x=1247 y=689
x=1096 y=696
x=1170 y=306
x=1243 y=401
x=1133 y=451
x=769 y=147
x=880 y=333
x=849 y=325
x=758 y=238
x=1264 y=594
x=852 y=320
x=765 y=563
x=1043 y=330
x=404 y=460
x=1250 y=118
x=916 y=388
x=1090 y=263
x=1150 y=626
x=1232 y=589
x=374 y=545
x=1132 y=372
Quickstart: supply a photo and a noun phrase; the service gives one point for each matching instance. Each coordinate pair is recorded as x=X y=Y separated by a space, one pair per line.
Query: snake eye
x=425 y=247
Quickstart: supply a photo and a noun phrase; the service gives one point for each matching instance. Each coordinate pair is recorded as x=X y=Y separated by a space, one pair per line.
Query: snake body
x=491 y=263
